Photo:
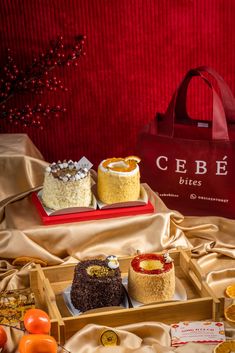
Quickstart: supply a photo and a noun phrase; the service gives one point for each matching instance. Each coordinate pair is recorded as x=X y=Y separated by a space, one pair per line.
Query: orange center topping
x=120 y=164
x=150 y=264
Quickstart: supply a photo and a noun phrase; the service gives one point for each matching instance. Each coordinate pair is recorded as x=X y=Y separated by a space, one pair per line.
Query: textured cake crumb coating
x=114 y=187
x=57 y=194
x=96 y=285
x=149 y=287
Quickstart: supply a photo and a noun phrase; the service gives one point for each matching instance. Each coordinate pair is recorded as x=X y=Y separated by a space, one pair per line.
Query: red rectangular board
x=90 y=215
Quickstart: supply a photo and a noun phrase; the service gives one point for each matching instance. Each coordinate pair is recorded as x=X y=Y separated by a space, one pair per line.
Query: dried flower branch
x=35 y=79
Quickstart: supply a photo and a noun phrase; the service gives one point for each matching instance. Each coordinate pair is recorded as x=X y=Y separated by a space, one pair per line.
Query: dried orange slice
x=133 y=158
x=225 y=347
x=229 y=313
x=230 y=291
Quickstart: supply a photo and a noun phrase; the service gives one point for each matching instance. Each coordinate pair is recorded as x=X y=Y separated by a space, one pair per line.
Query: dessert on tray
x=97 y=283
x=151 y=278
x=118 y=180
x=66 y=185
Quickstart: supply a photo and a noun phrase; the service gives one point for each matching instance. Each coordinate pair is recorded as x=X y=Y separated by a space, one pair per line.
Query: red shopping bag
x=191 y=164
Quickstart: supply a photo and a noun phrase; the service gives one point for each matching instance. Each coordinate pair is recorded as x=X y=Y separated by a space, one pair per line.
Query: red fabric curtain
x=137 y=52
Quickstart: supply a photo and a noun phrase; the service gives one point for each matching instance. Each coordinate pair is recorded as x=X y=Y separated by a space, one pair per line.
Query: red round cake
x=151 y=278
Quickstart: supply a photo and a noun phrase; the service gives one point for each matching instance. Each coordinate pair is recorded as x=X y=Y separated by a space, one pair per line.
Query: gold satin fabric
x=148 y=337
x=211 y=240
x=21 y=165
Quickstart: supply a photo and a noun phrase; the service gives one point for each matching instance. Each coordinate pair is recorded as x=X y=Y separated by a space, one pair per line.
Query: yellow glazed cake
x=66 y=185
x=118 y=180
x=151 y=278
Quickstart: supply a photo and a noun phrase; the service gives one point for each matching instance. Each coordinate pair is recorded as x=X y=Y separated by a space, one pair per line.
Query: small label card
x=84 y=163
x=202 y=124
x=197 y=331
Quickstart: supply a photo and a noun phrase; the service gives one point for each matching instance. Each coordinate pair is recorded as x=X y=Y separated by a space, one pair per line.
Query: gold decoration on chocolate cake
x=109 y=338
x=98 y=271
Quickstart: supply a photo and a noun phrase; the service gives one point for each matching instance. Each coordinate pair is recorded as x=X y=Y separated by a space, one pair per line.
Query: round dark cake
x=96 y=285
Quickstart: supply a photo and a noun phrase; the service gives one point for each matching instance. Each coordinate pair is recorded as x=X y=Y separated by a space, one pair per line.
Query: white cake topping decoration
x=67 y=171
x=112 y=262
x=167 y=258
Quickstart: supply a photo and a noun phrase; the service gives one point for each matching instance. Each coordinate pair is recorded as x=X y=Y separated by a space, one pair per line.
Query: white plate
x=180 y=294
x=51 y=212
x=74 y=311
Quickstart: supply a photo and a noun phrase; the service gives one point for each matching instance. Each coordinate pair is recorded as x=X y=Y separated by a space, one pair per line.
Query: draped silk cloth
x=148 y=337
x=211 y=240
x=21 y=165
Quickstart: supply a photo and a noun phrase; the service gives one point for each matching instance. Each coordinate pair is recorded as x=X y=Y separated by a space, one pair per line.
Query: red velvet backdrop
x=137 y=52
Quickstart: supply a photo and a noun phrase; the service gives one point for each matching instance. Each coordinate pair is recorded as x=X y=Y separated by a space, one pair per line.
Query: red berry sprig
x=31 y=116
x=36 y=79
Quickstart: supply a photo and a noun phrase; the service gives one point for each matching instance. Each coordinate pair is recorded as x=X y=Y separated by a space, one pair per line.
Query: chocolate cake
x=96 y=284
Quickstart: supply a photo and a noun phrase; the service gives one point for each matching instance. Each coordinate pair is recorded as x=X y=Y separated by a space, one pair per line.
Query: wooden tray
x=213 y=282
x=49 y=283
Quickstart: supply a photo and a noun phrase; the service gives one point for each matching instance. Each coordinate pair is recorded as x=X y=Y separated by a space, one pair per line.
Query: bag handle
x=227 y=96
x=228 y=100
x=177 y=108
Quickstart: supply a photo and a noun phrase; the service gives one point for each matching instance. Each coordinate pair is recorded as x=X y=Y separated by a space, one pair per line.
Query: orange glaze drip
x=131 y=164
